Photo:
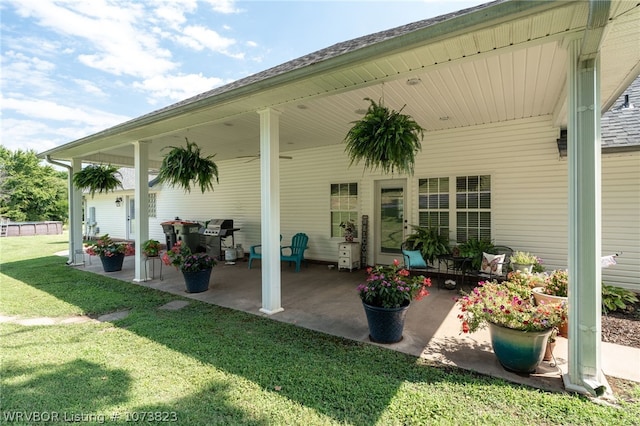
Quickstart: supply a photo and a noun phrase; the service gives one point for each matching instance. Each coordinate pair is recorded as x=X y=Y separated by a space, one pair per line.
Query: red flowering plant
x=181 y=257
x=557 y=283
x=392 y=286
x=508 y=304
x=105 y=246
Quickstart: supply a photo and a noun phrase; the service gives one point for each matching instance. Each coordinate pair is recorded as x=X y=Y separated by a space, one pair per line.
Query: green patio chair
x=296 y=250
x=255 y=252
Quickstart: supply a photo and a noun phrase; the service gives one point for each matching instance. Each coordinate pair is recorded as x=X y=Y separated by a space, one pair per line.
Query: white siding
x=621 y=218
x=529 y=194
x=110 y=219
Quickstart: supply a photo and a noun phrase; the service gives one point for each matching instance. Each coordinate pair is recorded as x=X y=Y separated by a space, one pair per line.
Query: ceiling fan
x=257 y=156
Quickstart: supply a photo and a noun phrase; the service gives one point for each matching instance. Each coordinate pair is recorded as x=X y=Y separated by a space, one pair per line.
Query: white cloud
x=90 y=87
x=177 y=87
x=223 y=6
x=118 y=40
x=199 y=37
x=48 y=110
x=36 y=135
x=22 y=72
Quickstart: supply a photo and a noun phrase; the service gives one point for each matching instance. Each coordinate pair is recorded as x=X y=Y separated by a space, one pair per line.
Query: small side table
x=152 y=260
x=348 y=255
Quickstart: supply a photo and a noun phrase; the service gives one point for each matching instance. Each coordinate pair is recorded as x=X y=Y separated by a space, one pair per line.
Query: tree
x=30 y=191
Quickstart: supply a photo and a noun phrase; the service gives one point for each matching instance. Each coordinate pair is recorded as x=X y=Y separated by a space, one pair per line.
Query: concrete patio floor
x=325 y=300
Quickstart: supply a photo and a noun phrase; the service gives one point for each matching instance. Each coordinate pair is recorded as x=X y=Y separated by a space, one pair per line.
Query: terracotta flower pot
x=541 y=297
x=548 y=353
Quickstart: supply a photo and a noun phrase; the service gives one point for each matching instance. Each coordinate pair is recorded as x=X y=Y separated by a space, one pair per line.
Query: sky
x=71 y=68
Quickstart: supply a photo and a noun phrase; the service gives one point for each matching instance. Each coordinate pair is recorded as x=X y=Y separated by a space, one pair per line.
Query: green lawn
x=210 y=365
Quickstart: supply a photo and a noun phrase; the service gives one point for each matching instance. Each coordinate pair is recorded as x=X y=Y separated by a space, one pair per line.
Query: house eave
x=349 y=53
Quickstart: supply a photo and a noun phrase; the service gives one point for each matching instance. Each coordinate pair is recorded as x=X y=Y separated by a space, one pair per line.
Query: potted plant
x=429 y=241
x=523 y=261
x=384 y=139
x=386 y=296
x=349 y=229
x=183 y=165
x=195 y=267
x=554 y=290
x=151 y=248
x=551 y=345
x=111 y=253
x=473 y=249
x=519 y=328
x=97 y=178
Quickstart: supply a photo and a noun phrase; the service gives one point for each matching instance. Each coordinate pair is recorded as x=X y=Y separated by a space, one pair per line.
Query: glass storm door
x=391 y=224
x=131 y=218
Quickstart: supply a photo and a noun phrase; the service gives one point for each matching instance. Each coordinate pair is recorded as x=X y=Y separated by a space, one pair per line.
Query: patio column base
x=271 y=312
x=593 y=388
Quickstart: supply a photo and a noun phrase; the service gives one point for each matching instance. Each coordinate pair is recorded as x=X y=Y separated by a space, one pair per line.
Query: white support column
x=141 y=204
x=270 y=215
x=75 y=210
x=583 y=152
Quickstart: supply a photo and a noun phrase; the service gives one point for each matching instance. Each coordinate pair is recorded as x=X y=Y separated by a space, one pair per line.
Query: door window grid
x=344 y=207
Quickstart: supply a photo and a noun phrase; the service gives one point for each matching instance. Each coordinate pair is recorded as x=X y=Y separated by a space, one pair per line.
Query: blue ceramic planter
x=112 y=263
x=385 y=324
x=518 y=351
x=197 y=282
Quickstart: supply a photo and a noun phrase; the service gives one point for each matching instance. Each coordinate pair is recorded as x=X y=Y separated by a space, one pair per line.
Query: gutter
x=72 y=248
x=587 y=379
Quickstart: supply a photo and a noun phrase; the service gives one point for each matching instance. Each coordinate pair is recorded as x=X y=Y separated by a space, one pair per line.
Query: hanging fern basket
x=97 y=178
x=384 y=139
x=184 y=166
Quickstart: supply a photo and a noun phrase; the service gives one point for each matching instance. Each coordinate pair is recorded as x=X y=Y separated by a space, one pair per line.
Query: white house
x=495 y=87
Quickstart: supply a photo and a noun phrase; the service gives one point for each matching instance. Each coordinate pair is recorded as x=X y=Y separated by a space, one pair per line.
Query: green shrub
x=616 y=298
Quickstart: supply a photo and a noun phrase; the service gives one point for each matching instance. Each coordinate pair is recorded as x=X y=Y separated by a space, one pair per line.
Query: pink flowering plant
x=181 y=257
x=105 y=246
x=508 y=304
x=392 y=286
x=557 y=283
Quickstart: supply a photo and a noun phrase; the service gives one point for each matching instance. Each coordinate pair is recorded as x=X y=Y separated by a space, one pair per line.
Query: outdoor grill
x=214 y=237
x=182 y=230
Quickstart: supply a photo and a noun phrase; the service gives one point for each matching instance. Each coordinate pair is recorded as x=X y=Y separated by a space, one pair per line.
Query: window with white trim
x=344 y=206
x=473 y=207
x=471 y=215
x=433 y=204
x=152 y=204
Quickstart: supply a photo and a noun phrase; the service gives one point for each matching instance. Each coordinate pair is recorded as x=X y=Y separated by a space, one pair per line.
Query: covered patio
x=502 y=78
x=324 y=299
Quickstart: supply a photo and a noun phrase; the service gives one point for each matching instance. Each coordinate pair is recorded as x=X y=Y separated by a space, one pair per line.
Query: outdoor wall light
x=118 y=201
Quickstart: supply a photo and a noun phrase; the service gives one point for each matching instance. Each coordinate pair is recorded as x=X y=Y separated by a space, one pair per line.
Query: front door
x=390 y=220
x=131 y=218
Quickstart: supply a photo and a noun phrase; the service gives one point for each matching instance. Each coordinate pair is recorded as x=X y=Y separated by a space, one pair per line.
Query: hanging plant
x=182 y=165
x=384 y=139
x=97 y=178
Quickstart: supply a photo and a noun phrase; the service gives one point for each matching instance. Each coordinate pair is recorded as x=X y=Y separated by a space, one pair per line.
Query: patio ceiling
x=495 y=63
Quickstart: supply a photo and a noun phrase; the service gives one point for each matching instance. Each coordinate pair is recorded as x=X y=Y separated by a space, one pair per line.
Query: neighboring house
x=114 y=213
x=494 y=86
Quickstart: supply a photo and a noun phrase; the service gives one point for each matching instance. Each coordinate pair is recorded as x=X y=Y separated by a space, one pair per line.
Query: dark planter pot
x=385 y=324
x=112 y=263
x=197 y=282
x=518 y=351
